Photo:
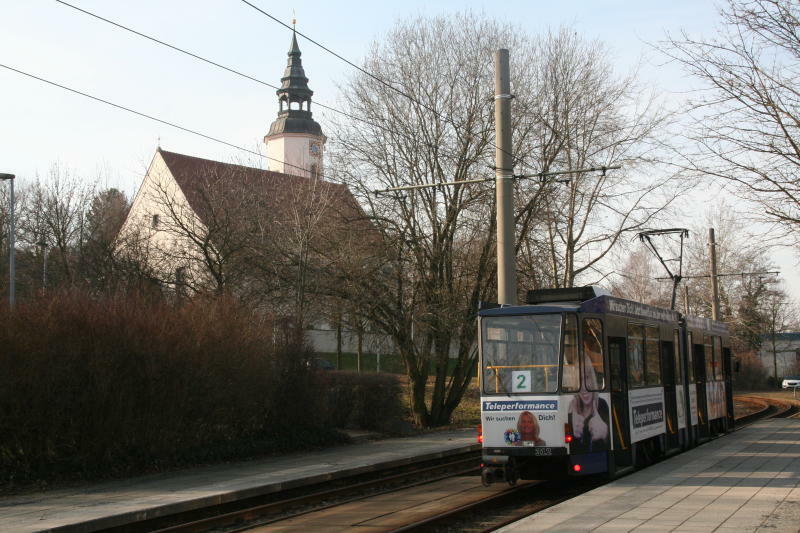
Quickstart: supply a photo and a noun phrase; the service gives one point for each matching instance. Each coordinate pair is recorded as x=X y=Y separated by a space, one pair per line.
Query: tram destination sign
x=618 y=306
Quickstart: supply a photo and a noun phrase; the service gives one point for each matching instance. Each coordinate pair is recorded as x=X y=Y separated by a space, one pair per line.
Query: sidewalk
x=744 y=482
x=117 y=503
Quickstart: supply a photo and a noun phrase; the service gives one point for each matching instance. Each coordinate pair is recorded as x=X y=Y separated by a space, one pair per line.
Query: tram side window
x=708 y=352
x=652 y=361
x=570 y=377
x=677 y=353
x=616 y=348
x=635 y=355
x=689 y=360
x=594 y=371
x=717 y=358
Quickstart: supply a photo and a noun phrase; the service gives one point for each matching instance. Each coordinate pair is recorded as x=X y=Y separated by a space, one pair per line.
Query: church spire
x=294 y=97
x=295 y=141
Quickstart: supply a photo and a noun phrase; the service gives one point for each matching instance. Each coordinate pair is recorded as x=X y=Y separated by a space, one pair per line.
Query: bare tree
x=436 y=258
x=578 y=113
x=746 y=117
x=53 y=214
x=104 y=218
x=637 y=279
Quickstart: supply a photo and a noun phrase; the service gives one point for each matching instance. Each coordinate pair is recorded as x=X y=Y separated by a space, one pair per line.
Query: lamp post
x=11 y=233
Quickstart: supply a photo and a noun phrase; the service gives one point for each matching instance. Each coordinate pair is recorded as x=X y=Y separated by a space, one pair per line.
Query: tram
x=578 y=382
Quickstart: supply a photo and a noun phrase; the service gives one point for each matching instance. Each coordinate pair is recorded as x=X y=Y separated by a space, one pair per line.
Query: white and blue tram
x=578 y=382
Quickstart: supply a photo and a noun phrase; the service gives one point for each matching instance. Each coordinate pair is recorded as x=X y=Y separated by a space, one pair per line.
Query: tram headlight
x=576 y=468
x=480 y=434
x=567 y=438
x=567 y=433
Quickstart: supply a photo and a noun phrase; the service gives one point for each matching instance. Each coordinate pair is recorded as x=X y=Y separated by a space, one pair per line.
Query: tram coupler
x=498 y=467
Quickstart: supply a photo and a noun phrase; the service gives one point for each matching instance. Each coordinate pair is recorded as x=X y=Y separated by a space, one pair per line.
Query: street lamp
x=11 y=232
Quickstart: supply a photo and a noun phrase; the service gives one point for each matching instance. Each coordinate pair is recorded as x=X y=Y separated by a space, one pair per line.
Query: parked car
x=321 y=364
x=790 y=382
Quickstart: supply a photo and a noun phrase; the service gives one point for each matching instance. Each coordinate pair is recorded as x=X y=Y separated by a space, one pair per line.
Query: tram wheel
x=511 y=473
x=487 y=478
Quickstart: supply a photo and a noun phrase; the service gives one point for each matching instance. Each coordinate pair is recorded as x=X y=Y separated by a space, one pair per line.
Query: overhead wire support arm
x=484 y=180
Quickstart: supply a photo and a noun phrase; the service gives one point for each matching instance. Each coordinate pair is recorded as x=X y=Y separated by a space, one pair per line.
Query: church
x=192 y=218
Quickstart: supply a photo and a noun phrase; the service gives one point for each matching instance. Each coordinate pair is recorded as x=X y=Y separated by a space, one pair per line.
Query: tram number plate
x=542 y=451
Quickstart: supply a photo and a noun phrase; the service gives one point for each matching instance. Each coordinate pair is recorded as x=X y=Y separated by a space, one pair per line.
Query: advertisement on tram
x=541 y=422
x=646 y=413
x=715 y=394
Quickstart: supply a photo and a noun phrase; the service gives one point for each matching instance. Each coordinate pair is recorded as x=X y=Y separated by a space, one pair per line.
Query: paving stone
x=745 y=481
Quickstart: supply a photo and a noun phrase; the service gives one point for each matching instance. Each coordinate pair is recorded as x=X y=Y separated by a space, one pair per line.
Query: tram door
x=623 y=454
x=728 y=373
x=700 y=378
x=670 y=400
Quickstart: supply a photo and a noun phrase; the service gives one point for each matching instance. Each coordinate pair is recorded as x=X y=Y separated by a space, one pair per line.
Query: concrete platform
x=105 y=505
x=743 y=482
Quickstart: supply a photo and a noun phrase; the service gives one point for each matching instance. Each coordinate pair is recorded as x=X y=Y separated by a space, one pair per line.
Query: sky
x=41 y=125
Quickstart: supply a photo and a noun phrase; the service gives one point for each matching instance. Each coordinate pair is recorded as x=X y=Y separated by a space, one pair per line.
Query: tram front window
x=520 y=354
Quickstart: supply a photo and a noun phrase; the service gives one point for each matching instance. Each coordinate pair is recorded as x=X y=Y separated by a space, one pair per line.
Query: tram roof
x=601 y=305
x=606 y=304
x=510 y=310
x=706 y=324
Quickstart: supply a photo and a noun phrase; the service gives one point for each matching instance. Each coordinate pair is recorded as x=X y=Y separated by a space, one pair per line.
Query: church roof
x=277 y=191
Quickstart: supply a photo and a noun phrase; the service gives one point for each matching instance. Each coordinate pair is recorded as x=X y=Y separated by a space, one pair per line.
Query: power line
x=743 y=274
x=151 y=117
x=371 y=75
x=227 y=69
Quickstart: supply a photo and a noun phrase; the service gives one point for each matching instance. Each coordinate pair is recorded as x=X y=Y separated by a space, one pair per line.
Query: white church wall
x=290 y=153
x=160 y=196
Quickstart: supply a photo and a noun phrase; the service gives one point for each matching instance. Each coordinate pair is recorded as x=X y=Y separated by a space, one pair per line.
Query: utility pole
x=504 y=184
x=12 y=277
x=686 y=299
x=712 y=253
x=43 y=245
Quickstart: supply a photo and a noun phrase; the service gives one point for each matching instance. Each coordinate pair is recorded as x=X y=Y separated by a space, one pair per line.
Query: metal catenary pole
x=504 y=182
x=712 y=249
x=11 y=244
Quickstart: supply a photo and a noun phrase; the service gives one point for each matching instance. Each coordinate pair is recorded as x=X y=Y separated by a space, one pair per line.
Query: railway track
x=269 y=508
x=439 y=495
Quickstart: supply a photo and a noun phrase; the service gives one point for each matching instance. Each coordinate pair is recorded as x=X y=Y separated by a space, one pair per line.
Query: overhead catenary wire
x=742 y=274
x=150 y=117
x=541 y=175
x=229 y=69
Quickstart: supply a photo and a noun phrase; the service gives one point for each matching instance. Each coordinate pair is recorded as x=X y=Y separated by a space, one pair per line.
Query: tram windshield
x=520 y=353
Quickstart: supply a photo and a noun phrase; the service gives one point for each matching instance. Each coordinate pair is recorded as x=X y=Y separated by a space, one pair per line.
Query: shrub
x=751 y=374
x=367 y=401
x=119 y=385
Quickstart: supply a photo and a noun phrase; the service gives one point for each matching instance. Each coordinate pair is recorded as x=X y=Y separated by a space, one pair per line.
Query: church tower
x=295 y=141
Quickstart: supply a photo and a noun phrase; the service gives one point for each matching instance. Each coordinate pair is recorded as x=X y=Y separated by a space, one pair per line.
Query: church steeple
x=295 y=140
x=294 y=98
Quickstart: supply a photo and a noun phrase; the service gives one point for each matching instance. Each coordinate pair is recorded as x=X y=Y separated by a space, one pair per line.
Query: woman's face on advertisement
x=526 y=424
x=586 y=396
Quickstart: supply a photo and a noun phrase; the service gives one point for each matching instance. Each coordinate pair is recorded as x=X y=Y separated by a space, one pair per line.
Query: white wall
x=294 y=149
